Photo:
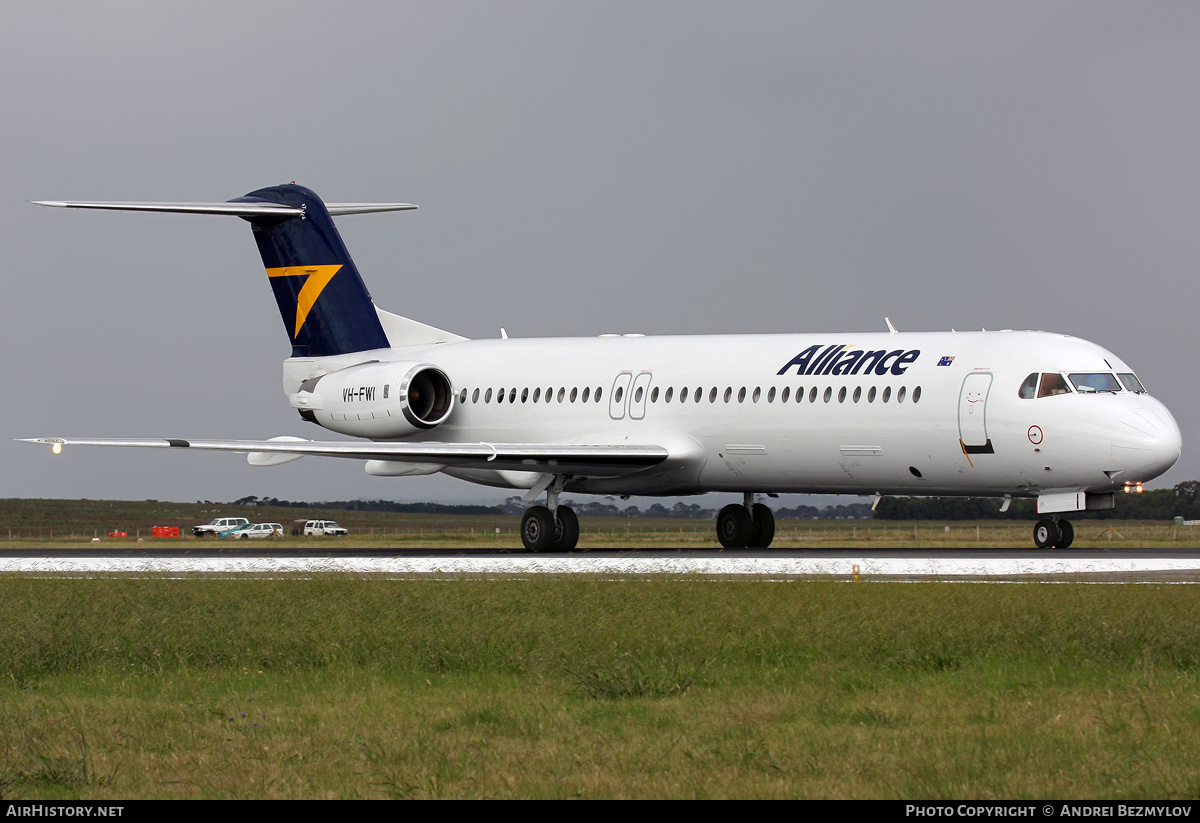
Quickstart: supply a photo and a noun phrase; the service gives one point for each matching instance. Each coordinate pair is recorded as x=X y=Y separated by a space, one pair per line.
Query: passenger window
x=770 y=395
x=462 y=398
x=512 y=395
x=670 y=393
x=887 y=393
x=620 y=393
x=828 y=393
x=699 y=391
x=900 y=395
x=562 y=394
x=683 y=395
x=586 y=391
x=653 y=395
x=783 y=398
x=475 y=396
x=917 y=394
x=712 y=395
x=597 y=394
x=812 y=395
x=500 y=395
x=728 y=393
x=1029 y=387
x=637 y=395
x=871 y=395
x=842 y=395
x=1053 y=384
x=525 y=395
x=742 y=395
x=574 y=394
x=487 y=397
x=857 y=393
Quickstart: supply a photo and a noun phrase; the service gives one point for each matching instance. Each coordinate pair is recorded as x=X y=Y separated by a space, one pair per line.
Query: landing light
x=1133 y=487
x=56 y=448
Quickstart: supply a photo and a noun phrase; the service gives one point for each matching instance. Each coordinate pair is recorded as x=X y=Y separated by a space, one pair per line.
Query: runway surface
x=1151 y=565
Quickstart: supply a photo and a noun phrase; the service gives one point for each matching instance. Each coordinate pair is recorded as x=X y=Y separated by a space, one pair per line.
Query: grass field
x=57 y=523
x=563 y=688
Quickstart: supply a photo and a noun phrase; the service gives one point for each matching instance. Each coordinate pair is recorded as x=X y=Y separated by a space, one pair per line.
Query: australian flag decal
x=946 y=361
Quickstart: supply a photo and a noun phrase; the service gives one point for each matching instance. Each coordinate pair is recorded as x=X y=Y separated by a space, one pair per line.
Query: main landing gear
x=746 y=525
x=551 y=527
x=1051 y=533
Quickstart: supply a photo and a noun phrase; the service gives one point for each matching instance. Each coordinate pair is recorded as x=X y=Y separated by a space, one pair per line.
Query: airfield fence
x=672 y=534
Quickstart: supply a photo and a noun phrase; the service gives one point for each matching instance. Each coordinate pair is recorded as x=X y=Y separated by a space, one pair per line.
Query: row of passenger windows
x=564 y=395
x=755 y=395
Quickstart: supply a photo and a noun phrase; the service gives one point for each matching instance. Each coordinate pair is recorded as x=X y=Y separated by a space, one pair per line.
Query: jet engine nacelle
x=378 y=400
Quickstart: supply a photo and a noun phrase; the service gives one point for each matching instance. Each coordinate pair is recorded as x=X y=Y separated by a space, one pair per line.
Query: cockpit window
x=1094 y=382
x=1053 y=384
x=1029 y=387
x=1132 y=383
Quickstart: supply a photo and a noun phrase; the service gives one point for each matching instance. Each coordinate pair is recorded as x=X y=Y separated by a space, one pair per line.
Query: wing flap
x=592 y=460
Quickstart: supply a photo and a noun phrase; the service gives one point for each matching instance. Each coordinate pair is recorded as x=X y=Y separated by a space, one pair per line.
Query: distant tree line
x=365 y=506
x=1160 y=504
x=592 y=508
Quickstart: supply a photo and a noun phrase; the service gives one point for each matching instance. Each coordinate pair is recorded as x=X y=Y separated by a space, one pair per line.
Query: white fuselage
x=934 y=414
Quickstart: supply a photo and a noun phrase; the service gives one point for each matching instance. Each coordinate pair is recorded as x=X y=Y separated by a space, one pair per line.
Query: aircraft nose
x=1147 y=442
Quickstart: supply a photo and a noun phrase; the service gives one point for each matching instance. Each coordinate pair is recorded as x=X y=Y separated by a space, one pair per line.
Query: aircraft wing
x=591 y=460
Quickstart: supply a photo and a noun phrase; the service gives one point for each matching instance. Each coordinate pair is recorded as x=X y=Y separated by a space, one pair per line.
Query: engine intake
x=426 y=396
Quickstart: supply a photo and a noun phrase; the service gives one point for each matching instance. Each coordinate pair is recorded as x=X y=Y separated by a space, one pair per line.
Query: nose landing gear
x=1050 y=533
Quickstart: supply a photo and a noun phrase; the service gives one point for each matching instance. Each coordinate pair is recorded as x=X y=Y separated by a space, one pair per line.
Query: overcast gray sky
x=581 y=167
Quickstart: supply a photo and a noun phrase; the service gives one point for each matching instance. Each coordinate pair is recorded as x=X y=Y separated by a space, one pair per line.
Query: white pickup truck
x=218 y=526
x=328 y=527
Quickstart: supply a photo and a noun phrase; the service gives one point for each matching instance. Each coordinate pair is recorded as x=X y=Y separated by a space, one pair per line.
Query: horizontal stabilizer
x=236 y=209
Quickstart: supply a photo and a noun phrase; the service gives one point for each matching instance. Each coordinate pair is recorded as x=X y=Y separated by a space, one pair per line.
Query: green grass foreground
x=560 y=688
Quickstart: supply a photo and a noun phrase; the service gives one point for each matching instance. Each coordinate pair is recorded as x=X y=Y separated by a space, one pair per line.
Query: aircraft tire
x=764 y=526
x=1046 y=534
x=567 y=531
x=1068 y=534
x=537 y=529
x=735 y=527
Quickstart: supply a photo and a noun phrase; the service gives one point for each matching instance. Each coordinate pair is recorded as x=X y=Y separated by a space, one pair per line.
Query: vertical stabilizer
x=325 y=305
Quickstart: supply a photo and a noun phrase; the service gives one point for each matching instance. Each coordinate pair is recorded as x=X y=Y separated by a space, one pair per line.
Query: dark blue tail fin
x=326 y=309
x=325 y=306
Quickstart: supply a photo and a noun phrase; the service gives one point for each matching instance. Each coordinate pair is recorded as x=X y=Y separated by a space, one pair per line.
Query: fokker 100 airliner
x=983 y=414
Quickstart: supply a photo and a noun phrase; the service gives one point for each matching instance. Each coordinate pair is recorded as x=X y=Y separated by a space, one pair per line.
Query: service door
x=972 y=412
x=638 y=396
